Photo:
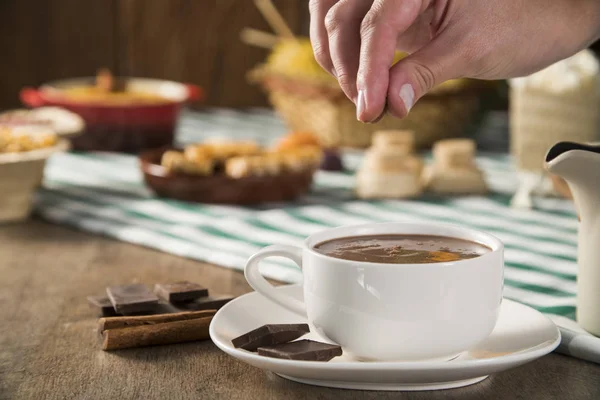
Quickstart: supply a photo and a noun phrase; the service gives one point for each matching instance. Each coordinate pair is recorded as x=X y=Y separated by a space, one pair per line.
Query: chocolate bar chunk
x=180 y=291
x=307 y=350
x=268 y=335
x=103 y=304
x=129 y=299
x=205 y=303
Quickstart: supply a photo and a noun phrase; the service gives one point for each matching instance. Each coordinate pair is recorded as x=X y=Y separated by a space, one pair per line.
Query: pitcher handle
x=260 y=284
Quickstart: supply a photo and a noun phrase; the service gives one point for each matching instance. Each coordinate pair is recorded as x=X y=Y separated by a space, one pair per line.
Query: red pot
x=124 y=128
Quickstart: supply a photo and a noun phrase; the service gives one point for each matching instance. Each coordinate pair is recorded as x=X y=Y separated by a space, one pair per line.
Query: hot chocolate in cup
x=389 y=311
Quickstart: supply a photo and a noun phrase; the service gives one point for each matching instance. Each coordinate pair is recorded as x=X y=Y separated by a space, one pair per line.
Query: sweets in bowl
x=64 y=123
x=110 y=91
x=121 y=114
x=23 y=155
x=230 y=172
x=21 y=140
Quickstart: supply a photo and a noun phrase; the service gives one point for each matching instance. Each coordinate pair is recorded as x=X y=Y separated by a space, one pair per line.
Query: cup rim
x=474 y=235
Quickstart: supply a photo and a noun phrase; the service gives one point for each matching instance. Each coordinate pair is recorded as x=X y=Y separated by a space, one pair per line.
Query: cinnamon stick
x=127 y=332
x=126 y=322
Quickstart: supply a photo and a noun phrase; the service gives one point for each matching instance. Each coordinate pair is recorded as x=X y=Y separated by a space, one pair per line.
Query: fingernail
x=360 y=104
x=407 y=94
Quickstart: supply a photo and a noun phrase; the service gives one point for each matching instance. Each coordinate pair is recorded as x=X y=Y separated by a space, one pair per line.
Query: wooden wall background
x=195 y=41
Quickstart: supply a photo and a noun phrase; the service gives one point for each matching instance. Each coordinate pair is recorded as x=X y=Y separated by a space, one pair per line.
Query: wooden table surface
x=49 y=350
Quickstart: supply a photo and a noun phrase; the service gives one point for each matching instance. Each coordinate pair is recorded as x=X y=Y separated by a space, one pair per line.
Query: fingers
x=318 y=32
x=343 y=27
x=379 y=32
x=420 y=33
x=420 y=72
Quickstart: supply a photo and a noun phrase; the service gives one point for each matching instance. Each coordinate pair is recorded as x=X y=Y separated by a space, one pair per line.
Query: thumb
x=412 y=77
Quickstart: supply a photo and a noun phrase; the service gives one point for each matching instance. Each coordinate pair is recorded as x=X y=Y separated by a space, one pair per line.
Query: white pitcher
x=579 y=165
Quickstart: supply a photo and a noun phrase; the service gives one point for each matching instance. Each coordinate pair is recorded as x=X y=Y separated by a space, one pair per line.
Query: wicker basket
x=539 y=119
x=321 y=107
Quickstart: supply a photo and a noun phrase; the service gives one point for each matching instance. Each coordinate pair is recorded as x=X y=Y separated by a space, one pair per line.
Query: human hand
x=355 y=40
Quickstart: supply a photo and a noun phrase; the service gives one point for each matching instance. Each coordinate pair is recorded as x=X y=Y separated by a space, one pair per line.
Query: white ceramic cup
x=393 y=312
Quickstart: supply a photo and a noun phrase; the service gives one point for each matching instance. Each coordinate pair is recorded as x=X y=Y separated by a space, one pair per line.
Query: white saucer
x=522 y=334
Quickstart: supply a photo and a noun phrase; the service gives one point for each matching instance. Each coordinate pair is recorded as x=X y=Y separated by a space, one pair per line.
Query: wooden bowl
x=219 y=188
x=20 y=175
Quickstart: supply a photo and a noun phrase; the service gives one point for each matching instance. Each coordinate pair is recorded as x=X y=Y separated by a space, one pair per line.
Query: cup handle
x=260 y=284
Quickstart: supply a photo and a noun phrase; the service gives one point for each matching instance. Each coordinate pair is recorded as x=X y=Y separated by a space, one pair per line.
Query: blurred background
x=200 y=43
x=194 y=41
x=183 y=40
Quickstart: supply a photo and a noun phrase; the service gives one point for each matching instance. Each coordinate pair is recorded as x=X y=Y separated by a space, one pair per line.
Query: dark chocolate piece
x=102 y=304
x=332 y=161
x=269 y=335
x=180 y=291
x=307 y=350
x=130 y=299
x=205 y=303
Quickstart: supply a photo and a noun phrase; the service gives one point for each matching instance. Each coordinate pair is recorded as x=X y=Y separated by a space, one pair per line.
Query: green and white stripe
x=103 y=193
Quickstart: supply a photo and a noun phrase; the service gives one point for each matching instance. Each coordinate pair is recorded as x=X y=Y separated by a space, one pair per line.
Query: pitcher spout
x=579 y=165
x=574 y=162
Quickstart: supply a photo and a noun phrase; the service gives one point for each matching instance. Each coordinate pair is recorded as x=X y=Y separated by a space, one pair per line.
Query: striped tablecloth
x=104 y=193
